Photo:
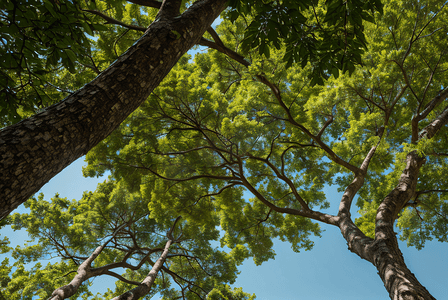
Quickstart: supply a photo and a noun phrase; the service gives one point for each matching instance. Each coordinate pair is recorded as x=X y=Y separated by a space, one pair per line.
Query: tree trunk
x=36 y=149
x=385 y=255
x=383 y=251
x=399 y=281
x=82 y=275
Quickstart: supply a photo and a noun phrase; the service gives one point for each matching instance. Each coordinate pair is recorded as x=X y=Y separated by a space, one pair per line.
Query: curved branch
x=121 y=278
x=83 y=273
x=275 y=90
x=145 y=286
x=318 y=216
x=432 y=128
x=114 y=21
x=221 y=48
x=173 y=274
x=443 y=94
x=184 y=179
x=169 y=234
x=285 y=179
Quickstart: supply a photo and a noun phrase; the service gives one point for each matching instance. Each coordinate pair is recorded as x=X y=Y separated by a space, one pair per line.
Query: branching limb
x=121 y=278
x=114 y=21
x=326 y=124
x=231 y=185
x=83 y=273
x=318 y=216
x=256 y=224
x=215 y=37
x=175 y=275
x=169 y=9
x=185 y=179
x=275 y=90
x=145 y=286
x=443 y=94
x=221 y=48
x=285 y=179
x=432 y=128
x=358 y=181
x=169 y=234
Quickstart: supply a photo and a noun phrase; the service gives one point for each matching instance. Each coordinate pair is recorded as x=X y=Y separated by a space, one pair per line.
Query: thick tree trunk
x=399 y=281
x=385 y=255
x=383 y=251
x=36 y=149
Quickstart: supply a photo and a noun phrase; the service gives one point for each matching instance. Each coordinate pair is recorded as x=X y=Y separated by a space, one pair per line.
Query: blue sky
x=329 y=271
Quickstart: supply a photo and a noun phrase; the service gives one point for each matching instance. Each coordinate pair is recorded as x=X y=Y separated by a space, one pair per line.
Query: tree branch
x=145 y=286
x=443 y=94
x=432 y=128
x=169 y=9
x=114 y=21
x=83 y=273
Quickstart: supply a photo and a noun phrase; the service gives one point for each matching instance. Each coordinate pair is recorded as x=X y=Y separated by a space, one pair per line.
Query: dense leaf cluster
x=328 y=35
x=38 y=37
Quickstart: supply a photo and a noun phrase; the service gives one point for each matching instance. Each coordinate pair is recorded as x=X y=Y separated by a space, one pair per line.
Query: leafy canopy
x=72 y=230
x=43 y=42
x=246 y=142
x=217 y=127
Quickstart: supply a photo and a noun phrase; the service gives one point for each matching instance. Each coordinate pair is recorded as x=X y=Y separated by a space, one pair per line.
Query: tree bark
x=70 y=289
x=388 y=259
x=83 y=273
x=383 y=251
x=398 y=280
x=36 y=149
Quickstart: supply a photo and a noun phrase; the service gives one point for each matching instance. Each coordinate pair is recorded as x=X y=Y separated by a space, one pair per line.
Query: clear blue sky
x=329 y=271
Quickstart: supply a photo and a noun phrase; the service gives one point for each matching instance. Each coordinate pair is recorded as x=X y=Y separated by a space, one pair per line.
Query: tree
x=112 y=229
x=227 y=123
x=34 y=150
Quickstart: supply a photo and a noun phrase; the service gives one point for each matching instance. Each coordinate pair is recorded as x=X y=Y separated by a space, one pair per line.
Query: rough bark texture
x=383 y=251
x=387 y=257
x=36 y=149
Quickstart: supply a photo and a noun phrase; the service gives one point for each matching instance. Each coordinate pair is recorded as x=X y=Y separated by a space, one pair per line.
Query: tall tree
x=229 y=121
x=111 y=232
x=34 y=150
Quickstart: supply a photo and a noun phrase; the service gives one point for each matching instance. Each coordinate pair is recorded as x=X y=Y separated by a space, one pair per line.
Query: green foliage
x=214 y=126
x=71 y=230
x=37 y=281
x=193 y=103
x=242 y=150
x=49 y=47
x=329 y=35
x=224 y=292
x=37 y=37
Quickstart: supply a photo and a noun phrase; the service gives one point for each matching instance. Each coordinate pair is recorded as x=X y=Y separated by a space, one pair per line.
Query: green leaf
x=87 y=28
x=71 y=55
x=99 y=27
